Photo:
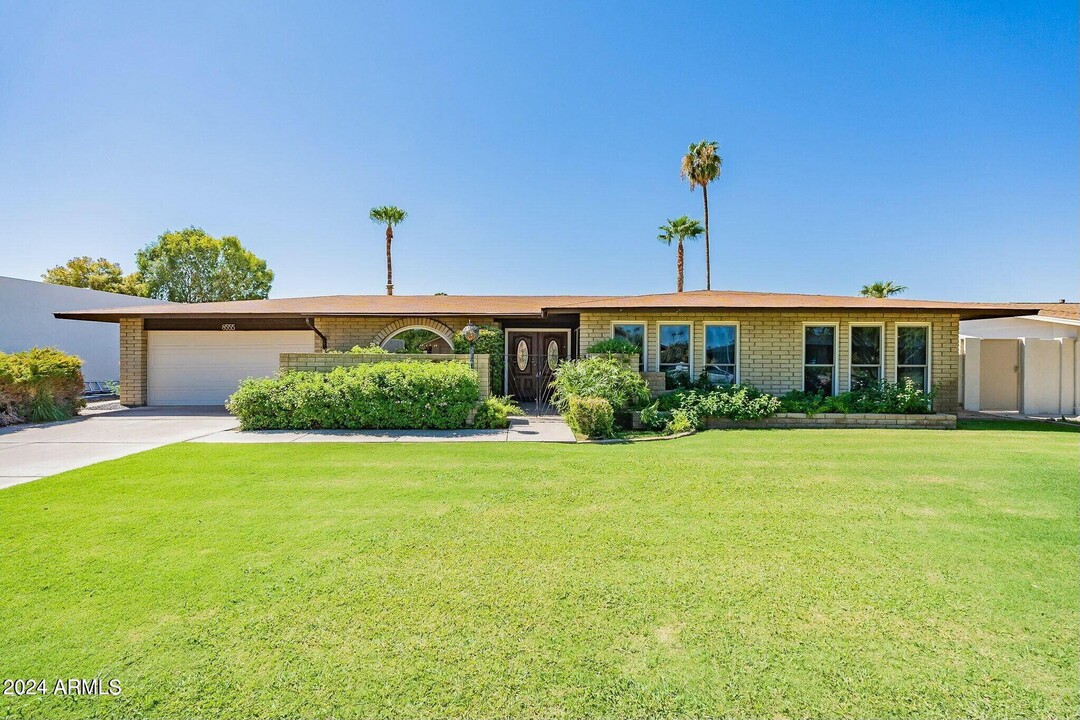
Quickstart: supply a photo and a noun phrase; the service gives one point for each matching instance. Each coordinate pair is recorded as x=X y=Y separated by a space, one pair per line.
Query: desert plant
x=601 y=377
x=591 y=416
x=882 y=289
x=700 y=166
x=390 y=216
x=677 y=231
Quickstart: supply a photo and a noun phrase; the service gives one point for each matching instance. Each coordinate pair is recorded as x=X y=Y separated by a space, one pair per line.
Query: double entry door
x=531 y=359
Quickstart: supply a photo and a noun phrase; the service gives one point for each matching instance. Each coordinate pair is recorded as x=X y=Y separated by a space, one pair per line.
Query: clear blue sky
x=537 y=150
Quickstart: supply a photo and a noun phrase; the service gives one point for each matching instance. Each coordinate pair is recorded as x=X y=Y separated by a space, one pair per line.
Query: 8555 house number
x=61 y=686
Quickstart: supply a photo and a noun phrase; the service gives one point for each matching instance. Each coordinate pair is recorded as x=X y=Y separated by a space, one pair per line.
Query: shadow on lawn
x=1021 y=425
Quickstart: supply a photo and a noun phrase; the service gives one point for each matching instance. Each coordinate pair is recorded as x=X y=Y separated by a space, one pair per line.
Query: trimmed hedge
x=39 y=385
x=411 y=395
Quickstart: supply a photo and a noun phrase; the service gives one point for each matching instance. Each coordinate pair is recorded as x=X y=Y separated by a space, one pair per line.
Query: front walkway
x=522 y=429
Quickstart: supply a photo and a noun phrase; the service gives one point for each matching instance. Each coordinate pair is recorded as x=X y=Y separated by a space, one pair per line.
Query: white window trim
x=689 y=347
x=850 y=355
x=835 y=354
x=738 y=345
x=929 y=351
x=644 y=338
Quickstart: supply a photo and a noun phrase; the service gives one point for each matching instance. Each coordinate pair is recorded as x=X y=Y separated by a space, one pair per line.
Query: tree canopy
x=100 y=274
x=190 y=265
x=882 y=289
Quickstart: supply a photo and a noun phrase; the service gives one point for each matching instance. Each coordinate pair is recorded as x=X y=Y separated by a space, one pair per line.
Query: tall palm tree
x=390 y=216
x=678 y=230
x=700 y=166
x=882 y=289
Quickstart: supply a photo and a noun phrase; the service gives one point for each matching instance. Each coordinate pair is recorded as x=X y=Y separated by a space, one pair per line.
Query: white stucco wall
x=26 y=321
x=1019 y=327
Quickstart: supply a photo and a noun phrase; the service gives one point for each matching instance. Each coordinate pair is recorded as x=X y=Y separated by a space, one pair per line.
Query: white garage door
x=204 y=367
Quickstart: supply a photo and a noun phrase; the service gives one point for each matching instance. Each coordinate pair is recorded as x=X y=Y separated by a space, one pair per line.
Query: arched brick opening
x=397 y=326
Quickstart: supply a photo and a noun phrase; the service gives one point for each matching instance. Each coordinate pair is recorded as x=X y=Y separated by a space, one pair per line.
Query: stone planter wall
x=657 y=382
x=325 y=362
x=935 y=421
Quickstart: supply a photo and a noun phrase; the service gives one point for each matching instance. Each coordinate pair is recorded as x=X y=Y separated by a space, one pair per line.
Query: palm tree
x=700 y=166
x=882 y=289
x=391 y=216
x=677 y=230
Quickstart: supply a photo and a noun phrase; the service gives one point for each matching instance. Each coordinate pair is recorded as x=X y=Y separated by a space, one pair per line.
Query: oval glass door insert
x=553 y=354
x=522 y=355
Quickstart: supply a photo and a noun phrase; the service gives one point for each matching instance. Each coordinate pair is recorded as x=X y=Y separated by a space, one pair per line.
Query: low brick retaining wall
x=936 y=421
x=325 y=362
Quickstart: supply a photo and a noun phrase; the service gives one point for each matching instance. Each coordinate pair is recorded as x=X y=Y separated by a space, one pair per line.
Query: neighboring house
x=196 y=354
x=1029 y=363
x=26 y=321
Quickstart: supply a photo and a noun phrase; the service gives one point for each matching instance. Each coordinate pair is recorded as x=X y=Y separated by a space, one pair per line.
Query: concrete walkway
x=522 y=429
x=29 y=452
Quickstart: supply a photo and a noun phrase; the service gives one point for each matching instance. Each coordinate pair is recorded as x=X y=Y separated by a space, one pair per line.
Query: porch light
x=471 y=333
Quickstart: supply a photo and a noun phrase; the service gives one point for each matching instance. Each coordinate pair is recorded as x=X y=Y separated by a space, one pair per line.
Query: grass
x=865 y=573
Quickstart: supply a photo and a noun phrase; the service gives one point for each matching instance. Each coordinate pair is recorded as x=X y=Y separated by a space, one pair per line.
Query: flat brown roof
x=540 y=305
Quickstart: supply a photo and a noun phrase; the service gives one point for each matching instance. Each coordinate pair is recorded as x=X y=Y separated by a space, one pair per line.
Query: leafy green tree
x=100 y=274
x=190 y=265
x=390 y=216
x=678 y=230
x=882 y=289
x=700 y=166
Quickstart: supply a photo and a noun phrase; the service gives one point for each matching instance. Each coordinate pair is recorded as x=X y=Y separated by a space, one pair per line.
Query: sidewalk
x=522 y=429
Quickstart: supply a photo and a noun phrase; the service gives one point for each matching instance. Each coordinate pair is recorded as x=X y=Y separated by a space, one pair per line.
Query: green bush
x=681 y=421
x=599 y=377
x=371 y=349
x=491 y=342
x=382 y=395
x=590 y=416
x=614 y=346
x=494 y=413
x=904 y=397
x=39 y=385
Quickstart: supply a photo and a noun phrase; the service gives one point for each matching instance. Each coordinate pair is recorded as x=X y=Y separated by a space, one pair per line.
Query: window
x=913 y=355
x=866 y=355
x=633 y=333
x=819 y=359
x=721 y=353
x=674 y=344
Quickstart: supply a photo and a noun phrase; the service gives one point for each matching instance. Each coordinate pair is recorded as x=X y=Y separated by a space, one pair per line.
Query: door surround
x=506 y=347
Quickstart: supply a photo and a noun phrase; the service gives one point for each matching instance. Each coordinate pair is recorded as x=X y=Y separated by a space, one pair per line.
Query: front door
x=531 y=358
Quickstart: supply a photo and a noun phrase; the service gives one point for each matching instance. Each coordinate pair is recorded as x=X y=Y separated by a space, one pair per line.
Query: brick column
x=132 y=362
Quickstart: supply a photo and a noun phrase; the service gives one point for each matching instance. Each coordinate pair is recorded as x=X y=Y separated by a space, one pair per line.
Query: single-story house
x=197 y=353
x=26 y=321
x=1026 y=363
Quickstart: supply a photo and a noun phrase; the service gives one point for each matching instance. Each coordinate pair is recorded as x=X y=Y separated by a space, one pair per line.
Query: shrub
x=614 y=346
x=881 y=397
x=371 y=349
x=591 y=416
x=491 y=342
x=599 y=377
x=39 y=385
x=382 y=395
x=494 y=413
x=681 y=421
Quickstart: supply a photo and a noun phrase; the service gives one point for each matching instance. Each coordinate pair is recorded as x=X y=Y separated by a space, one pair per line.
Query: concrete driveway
x=29 y=452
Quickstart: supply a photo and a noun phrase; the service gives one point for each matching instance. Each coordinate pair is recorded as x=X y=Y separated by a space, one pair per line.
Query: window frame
x=850 y=358
x=738 y=344
x=835 y=359
x=689 y=348
x=929 y=351
x=644 y=338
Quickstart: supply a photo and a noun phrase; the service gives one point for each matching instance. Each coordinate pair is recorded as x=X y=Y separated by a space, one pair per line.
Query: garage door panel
x=205 y=367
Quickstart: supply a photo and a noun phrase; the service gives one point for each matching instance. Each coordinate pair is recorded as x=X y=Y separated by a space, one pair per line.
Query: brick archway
x=397 y=326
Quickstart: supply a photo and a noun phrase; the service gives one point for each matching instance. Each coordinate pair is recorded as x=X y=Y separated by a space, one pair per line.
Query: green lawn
x=750 y=573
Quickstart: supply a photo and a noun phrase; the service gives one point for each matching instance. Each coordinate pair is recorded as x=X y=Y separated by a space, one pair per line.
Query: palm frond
x=387 y=215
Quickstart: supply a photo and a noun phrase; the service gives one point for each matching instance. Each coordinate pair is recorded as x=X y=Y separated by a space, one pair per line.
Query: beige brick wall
x=325 y=362
x=132 y=362
x=771 y=346
x=343 y=333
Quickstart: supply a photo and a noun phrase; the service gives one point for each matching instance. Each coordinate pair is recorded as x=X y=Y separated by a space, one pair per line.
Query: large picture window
x=913 y=355
x=866 y=354
x=721 y=353
x=674 y=344
x=632 y=333
x=819 y=359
